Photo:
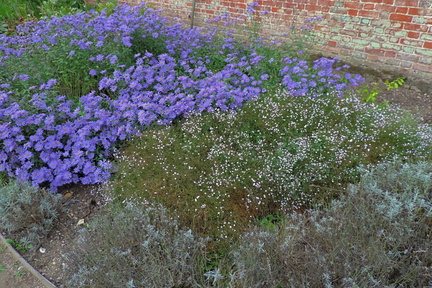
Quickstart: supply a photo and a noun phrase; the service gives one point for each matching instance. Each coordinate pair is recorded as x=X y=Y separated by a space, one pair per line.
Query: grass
x=317 y=190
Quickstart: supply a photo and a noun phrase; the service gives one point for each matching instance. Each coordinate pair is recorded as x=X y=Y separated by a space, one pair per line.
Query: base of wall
x=415 y=80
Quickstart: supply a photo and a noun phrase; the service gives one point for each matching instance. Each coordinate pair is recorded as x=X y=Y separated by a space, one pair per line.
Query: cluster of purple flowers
x=46 y=138
x=58 y=143
x=302 y=78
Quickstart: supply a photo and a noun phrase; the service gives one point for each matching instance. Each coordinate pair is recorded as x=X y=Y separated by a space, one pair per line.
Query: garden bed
x=209 y=142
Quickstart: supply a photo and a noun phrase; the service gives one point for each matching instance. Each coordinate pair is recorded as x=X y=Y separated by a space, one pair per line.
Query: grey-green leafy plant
x=136 y=247
x=377 y=235
x=28 y=213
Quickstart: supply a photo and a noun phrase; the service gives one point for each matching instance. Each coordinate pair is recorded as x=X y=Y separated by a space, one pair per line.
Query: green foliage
x=142 y=43
x=16 y=9
x=369 y=94
x=108 y=6
x=58 y=8
x=370 y=237
x=132 y=246
x=20 y=247
x=13 y=12
x=28 y=213
x=70 y=69
x=270 y=222
x=395 y=83
x=3 y=27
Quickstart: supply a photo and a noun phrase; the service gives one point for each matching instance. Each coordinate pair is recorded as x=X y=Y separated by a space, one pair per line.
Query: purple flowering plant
x=108 y=77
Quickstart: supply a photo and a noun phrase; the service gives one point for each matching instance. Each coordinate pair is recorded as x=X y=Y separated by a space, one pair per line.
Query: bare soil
x=84 y=202
x=13 y=274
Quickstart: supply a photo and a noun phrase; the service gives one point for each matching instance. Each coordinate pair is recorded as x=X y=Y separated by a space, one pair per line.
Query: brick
x=419 y=19
x=422 y=67
x=393 y=40
x=374 y=58
x=353 y=5
x=399 y=33
x=332 y=43
x=375 y=51
x=326 y=2
x=366 y=28
x=427 y=45
x=412 y=43
x=401 y=17
x=402 y=10
x=397 y=25
x=392 y=61
x=412 y=3
x=313 y=8
x=381 y=39
x=375 y=44
x=408 y=57
x=360 y=55
x=288 y=5
x=424 y=52
x=414 y=35
x=353 y=12
x=350 y=26
x=373 y=1
x=390 y=54
x=351 y=33
x=369 y=14
x=426 y=36
x=406 y=64
x=409 y=50
x=361 y=41
x=365 y=21
x=383 y=7
x=411 y=26
x=391 y=2
x=369 y=6
x=331 y=49
x=350 y=19
x=391 y=46
x=381 y=23
x=415 y=11
x=425 y=60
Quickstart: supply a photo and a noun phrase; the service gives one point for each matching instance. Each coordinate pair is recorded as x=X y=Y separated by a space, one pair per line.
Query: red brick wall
x=391 y=35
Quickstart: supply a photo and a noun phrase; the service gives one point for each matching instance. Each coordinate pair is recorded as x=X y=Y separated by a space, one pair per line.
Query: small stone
x=80 y=222
x=42 y=250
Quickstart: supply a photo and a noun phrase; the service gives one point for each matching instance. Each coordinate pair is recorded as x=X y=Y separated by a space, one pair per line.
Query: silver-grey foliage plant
x=378 y=235
x=27 y=212
x=135 y=247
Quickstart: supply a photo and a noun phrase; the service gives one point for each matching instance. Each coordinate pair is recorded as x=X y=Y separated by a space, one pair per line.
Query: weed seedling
x=20 y=273
x=395 y=83
x=270 y=221
x=21 y=248
x=369 y=95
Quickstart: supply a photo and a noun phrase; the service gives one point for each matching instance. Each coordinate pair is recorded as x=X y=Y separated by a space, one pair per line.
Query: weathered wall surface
x=387 y=35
